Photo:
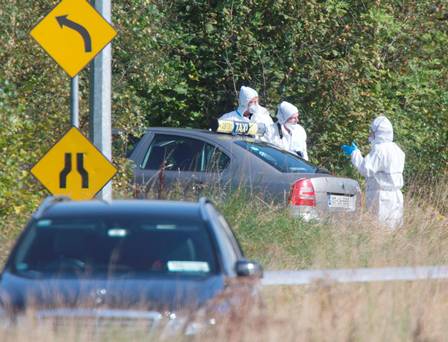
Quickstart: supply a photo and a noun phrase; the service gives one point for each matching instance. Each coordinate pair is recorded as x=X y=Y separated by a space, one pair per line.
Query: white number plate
x=340 y=201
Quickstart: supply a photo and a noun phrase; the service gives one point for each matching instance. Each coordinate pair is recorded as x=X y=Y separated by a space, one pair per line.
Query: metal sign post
x=74 y=101
x=73 y=33
x=101 y=97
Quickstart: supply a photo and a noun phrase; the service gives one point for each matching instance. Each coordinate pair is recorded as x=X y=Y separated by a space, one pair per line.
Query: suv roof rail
x=48 y=202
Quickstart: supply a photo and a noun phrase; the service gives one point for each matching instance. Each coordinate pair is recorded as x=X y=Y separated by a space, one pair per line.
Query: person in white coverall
x=383 y=169
x=290 y=135
x=249 y=110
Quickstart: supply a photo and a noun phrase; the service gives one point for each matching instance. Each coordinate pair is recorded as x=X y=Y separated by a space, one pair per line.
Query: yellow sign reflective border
x=74 y=167
x=73 y=33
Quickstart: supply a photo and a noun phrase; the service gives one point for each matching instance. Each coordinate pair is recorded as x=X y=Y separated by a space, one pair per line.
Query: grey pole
x=101 y=98
x=74 y=101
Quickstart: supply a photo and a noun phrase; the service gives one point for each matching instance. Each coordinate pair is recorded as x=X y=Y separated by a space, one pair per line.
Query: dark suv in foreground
x=154 y=261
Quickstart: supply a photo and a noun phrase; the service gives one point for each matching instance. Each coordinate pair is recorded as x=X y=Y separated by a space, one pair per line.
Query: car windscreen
x=281 y=160
x=104 y=246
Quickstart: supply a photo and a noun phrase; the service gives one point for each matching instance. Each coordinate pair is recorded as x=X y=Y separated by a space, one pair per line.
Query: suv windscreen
x=280 y=159
x=125 y=246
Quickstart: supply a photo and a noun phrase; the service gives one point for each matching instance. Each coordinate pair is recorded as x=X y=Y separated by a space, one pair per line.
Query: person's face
x=252 y=102
x=293 y=119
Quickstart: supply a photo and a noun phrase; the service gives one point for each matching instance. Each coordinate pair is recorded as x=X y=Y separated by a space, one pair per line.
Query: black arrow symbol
x=64 y=21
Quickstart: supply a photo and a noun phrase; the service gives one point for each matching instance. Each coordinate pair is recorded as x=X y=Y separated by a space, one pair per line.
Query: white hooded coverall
x=293 y=140
x=259 y=115
x=383 y=169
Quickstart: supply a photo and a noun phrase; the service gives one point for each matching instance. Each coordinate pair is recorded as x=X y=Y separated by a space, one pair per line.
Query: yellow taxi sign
x=74 y=167
x=238 y=127
x=73 y=33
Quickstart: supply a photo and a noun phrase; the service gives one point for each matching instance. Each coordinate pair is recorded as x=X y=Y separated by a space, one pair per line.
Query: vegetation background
x=342 y=62
x=181 y=63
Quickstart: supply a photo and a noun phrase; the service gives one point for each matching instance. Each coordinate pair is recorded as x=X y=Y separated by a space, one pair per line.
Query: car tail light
x=302 y=193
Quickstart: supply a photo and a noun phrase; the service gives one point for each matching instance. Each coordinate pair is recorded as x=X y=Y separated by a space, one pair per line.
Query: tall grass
x=411 y=311
x=269 y=233
x=407 y=311
x=323 y=311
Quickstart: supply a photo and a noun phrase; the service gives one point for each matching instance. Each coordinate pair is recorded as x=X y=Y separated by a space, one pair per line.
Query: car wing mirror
x=248 y=268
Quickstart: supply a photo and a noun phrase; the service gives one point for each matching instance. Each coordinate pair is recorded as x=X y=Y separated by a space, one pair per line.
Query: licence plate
x=341 y=201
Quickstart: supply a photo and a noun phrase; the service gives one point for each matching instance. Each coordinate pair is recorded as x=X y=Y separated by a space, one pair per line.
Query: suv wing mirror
x=248 y=268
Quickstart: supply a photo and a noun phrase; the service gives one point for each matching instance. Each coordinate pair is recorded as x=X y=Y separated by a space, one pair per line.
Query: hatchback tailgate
x=336 y=194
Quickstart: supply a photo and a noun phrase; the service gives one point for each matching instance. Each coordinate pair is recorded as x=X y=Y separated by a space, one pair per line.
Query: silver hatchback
x=197 y=158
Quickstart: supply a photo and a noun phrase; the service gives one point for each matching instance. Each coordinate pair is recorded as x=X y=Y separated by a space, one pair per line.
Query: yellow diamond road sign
x=74 y=167
x=73 y=33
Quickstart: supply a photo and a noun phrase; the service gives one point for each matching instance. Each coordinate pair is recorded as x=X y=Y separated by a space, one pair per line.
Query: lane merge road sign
x=74 y=167
x=73 y=33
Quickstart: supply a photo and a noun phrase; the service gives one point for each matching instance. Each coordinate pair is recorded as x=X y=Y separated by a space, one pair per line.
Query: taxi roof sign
x=74 y=167
x=73 y=33
x=238 y=127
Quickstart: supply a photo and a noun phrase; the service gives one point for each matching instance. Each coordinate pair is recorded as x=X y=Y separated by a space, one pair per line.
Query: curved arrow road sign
x=73 y=33
x=64 y=21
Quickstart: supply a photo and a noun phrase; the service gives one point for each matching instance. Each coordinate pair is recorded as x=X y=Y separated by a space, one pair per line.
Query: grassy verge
x=406 y=311
x=321 y=311
x=268 y=233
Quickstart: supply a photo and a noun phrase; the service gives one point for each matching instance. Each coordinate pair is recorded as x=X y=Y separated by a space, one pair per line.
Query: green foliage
x=181 y=63
x=342 y=62
x=15 y=154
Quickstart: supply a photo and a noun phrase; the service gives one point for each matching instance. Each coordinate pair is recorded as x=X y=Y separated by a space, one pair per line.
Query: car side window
x=282 y=160
x=213 y=160
x=179 y=153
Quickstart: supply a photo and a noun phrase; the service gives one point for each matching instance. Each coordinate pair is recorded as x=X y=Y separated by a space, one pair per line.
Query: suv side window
x=179 y=153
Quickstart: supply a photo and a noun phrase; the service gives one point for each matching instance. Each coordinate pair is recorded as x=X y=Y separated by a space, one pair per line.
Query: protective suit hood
x=383 y=130
x=246 y=94
x=285 y=111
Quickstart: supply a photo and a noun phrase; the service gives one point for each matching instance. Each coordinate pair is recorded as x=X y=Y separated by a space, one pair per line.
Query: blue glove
x=348 y=150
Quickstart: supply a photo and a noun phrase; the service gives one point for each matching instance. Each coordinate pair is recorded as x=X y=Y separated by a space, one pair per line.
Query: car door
x=174 y=160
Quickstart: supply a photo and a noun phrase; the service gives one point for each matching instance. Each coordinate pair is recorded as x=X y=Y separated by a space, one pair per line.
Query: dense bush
x=181 y=63
x=342 y=62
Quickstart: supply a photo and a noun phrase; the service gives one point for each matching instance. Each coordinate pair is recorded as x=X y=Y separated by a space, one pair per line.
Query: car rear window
x=128 y=246
x=279 y=159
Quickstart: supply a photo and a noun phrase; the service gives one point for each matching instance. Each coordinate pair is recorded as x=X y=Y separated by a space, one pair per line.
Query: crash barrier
x=355 y=275
x=237 y=127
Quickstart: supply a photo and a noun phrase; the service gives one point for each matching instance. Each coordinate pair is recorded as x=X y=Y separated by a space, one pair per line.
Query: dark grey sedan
x=196 y=158
x=126 y=261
